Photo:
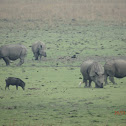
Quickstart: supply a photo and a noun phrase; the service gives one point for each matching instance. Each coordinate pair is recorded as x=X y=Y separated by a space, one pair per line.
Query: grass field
x=88 y=29
x=52 y=97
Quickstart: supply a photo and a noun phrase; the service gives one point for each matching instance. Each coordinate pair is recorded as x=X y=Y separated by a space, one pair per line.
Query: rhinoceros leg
x=86 y=84
x=36 y=56
x=7 y=61
x=112 y=79
x=90 y=83
x=21 y=61
x=106 y=82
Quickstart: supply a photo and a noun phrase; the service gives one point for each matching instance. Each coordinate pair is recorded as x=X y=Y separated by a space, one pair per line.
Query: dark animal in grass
x=13 y=52
x=115 y=68
x=92 y=71
x=14 y=81
x=38 y=49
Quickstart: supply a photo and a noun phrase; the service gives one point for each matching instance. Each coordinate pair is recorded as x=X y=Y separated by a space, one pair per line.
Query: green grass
x=65 y=40
x=52 y=96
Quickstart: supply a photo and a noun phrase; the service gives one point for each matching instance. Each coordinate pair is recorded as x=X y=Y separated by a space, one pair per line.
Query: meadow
x=93 y=29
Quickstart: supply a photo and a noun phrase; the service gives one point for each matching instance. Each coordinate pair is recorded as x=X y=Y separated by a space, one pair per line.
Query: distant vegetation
x=53 y=11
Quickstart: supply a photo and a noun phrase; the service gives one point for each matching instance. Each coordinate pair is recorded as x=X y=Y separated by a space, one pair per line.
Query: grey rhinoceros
x=13 y=52
x=115 y=68
x=38 y=49
x=92 y=71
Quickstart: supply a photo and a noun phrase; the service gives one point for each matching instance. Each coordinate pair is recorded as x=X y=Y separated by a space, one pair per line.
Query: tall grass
x=50 y=10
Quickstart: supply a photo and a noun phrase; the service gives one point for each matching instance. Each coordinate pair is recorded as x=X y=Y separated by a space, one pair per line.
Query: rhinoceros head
x=97 y=74
x=42 y=50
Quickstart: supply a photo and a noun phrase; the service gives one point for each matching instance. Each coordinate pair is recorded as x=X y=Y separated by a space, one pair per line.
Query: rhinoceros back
x=120 y=68
x=13 y=52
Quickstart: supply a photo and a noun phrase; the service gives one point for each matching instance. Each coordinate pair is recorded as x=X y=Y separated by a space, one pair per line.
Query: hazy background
x=53 y=11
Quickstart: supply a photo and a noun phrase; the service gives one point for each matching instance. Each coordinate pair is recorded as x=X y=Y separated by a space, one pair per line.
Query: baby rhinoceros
x=38 y=49
x=14 y=81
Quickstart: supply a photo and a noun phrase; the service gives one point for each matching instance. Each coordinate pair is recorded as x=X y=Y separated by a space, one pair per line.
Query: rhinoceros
x=115 y=68
x=92 y=71
x=13 y=52
x=38 y=49
x=14 y=81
